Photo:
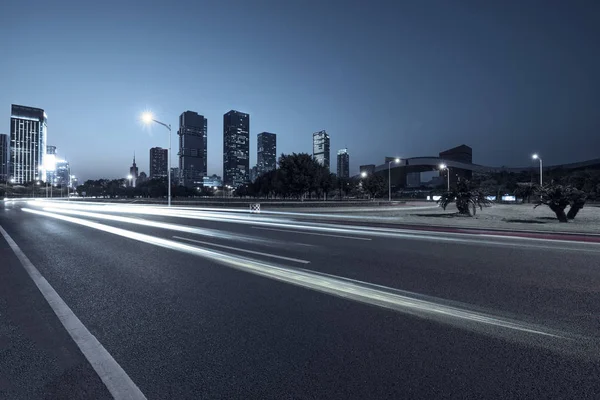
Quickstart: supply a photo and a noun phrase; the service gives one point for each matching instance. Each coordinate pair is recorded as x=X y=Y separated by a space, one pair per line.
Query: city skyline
x=522 y=76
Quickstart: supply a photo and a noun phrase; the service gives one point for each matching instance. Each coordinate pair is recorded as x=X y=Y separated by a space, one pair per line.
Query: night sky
x=396 y=78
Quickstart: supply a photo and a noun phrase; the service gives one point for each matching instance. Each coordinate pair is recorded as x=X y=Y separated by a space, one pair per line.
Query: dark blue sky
x=406 y=78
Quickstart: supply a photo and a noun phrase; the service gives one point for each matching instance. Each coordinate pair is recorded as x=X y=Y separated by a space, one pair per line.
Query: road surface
x=103 y=301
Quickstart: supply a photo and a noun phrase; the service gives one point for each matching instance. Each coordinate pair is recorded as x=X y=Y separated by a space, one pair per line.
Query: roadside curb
x=569 y=236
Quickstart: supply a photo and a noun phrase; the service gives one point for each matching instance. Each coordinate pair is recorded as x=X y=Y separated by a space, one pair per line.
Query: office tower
x=236 y=148
x=343 y=164
x=175 y=177
x=266 y=148
x=3 y=157
x=50 y=164
x=61 y=175
x=28 y=131
x=321 y=148
x=133 y=172
x=192 y=133
x=159 y=159
x=253 y=173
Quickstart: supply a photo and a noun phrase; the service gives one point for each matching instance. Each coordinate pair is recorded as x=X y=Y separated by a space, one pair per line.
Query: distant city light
x=50 y=162
x=363 y=174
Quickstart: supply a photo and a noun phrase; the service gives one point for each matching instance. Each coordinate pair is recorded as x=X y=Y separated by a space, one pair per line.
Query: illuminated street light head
x=129 y=177
x=397 y=160
x=442 y=166
x=147 y=117
x=363 y=174
x=535 y=156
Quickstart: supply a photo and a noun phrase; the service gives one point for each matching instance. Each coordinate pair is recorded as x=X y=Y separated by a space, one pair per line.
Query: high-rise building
x=192 y=133
x=266 y=148
x=50 y=164
x=61 y=176
x=253 y=173
x=28 y=132
x=343 y=164
x=133 y=172
x=159 y=159
x=3 y=157
x=321 y=148
x=236 y=148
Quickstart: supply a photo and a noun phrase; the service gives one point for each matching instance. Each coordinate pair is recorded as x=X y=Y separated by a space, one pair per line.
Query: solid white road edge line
x=118 y=383
x=244 y=250
x=310 y=233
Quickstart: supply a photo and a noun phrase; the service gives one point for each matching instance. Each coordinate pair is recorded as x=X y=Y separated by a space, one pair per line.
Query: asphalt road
x=227 y=305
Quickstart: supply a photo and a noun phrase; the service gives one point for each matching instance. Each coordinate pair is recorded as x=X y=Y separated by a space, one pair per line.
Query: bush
x=465 y=198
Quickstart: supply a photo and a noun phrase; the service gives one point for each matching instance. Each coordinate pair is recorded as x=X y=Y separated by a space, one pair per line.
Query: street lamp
x=537 y=157
x=397 y=160
x=148 y=118
x=363 y=174
x=130 y=177
x=442 y=167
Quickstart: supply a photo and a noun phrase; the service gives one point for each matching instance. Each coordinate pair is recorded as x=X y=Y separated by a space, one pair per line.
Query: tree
x=557 y=197
x=525 y=191
x=374 y=185
x=465 y=198
x=577 y=199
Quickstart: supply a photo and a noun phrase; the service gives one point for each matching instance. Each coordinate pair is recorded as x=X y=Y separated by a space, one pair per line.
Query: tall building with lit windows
x=159 y=162
x=28 y=134
x=321 y=151
x=343 y=163
x=236 y=148
x=3 y=157
x=266 y=149
x=192 y=148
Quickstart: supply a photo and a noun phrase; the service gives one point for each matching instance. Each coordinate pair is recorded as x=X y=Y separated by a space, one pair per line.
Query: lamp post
x=148 y=118
x=442 y=167
x=537 y=157
x=397 y=160
x=130 y=177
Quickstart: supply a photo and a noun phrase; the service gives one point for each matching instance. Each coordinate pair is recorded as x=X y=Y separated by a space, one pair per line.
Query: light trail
x=352 y=230
x=435 y=309
x=173 y=227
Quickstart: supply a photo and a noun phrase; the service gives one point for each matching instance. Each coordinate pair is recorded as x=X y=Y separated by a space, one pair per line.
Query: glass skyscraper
x=321 y=148
x=192 y=133
x=3 y=157
x=266 y=149
x=158 y=162
x=28 y=133
x=236 y=148
x=343 y=163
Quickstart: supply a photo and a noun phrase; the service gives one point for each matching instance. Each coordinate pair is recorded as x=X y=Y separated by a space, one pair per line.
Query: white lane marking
x=116 y=380
x=310 y=233
x=244 y=250
x=358 y=291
